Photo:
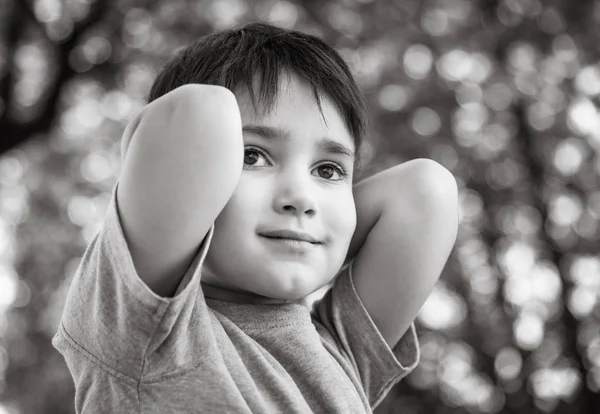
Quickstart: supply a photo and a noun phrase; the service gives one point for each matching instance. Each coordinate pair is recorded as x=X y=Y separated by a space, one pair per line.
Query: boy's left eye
x=252 y=157
x=330 y=170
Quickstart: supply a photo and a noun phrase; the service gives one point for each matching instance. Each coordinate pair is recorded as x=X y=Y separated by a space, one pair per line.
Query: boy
x=234 y=203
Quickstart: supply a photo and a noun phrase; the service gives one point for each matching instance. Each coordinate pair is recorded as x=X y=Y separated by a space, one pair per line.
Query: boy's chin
x=285 y=290
x=275 y=281
x=291 y=295
x=285 y=295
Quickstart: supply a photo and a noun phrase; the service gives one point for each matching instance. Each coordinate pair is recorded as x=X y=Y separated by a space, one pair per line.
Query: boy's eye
x=251 y=157
x=330 y=172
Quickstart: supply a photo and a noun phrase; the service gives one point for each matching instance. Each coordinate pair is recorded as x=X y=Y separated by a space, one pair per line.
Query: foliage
x=504 y=93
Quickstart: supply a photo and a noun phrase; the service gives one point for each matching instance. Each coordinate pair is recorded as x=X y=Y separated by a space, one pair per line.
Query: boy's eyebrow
x=270 y=133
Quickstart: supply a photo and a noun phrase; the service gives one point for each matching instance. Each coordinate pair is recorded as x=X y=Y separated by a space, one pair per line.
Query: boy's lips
x=290 y=235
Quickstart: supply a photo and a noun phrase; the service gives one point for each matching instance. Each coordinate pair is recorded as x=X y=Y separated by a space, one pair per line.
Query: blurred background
x=503 y=93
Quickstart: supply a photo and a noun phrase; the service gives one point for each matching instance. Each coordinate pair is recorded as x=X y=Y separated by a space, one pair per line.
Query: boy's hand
x=407 y=221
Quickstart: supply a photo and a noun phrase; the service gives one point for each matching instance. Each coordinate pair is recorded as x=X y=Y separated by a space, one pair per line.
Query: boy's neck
x=219 y=293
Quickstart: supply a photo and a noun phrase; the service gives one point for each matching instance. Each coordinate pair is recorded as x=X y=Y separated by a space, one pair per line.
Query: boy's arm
x=182 y=162
x=407 y=221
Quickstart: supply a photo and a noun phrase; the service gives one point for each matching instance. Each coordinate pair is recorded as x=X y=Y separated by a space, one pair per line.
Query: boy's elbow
x=196 y=95
x=211 y=112
x=433 y=191
x=438 y=195
x=433 y=184
x=200 y=100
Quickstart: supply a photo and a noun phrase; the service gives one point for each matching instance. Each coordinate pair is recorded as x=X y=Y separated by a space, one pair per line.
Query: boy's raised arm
x=182 y=163
x=407 y=221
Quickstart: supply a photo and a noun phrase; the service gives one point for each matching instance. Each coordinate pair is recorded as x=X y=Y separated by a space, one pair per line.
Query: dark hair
x=231 y=58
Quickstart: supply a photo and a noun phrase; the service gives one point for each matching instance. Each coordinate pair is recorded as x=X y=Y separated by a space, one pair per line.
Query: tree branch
x=15 y=133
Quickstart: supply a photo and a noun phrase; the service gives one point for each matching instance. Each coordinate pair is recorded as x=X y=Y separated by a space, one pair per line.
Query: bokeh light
x=504 y=94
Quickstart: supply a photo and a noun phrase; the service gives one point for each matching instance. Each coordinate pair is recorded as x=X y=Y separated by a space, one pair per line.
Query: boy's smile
x=290 y=246
x=286 y=230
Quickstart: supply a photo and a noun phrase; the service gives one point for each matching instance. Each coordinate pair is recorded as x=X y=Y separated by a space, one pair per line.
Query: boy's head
x=301 y=110
x=259 y=54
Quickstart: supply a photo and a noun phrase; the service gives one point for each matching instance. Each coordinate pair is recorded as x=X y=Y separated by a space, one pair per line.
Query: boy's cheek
x=348 y=222
x=352 y=214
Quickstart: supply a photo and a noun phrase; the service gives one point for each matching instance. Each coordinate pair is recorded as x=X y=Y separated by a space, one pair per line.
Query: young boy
x=235 y=202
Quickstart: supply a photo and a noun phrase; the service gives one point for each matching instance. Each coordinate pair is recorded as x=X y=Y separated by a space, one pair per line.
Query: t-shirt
x=130 y=350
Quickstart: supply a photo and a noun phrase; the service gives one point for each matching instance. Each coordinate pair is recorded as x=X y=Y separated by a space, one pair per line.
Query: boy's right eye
x=252 y=157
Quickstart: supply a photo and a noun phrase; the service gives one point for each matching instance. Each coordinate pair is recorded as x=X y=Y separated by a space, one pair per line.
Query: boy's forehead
x=291 y=87
x=293 y=103
x=294 y=96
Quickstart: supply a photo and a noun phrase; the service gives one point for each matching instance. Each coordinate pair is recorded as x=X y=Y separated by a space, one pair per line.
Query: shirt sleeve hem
x=62 y=339
x=121 y=257
x=391 y=364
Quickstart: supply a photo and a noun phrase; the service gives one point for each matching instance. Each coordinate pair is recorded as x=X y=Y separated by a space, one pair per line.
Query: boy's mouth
x=290 y=235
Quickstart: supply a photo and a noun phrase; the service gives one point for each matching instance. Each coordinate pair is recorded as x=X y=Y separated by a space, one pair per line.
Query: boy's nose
x=295 y=200
x=297 y=209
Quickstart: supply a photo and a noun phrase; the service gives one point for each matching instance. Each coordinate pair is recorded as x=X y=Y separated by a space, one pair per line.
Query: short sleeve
x=113 y=320
x=349 y=333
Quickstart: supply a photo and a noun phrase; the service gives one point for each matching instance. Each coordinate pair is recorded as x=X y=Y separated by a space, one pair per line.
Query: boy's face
x=289 y=183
